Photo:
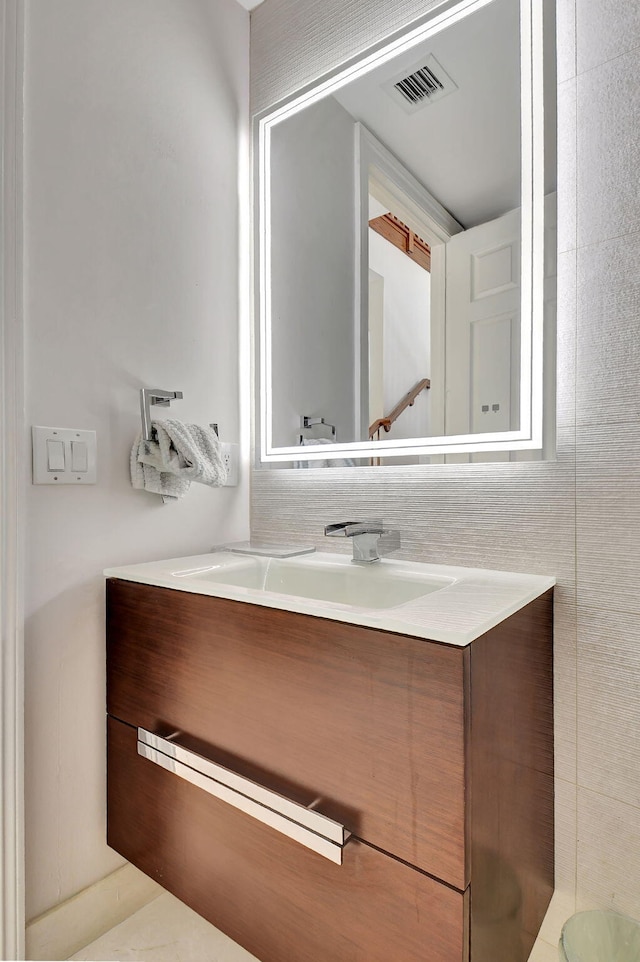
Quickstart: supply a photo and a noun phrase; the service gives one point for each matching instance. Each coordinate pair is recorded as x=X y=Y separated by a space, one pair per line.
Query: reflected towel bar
x=308 y=422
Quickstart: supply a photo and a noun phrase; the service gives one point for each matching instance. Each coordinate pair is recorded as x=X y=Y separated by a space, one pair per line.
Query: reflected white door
x=483 y=328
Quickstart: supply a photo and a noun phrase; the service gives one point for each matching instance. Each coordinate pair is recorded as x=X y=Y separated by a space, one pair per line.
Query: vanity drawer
x=373 y=723
x=281 y=901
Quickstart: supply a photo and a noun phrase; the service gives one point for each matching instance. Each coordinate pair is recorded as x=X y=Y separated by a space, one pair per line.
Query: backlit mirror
x=406 y=246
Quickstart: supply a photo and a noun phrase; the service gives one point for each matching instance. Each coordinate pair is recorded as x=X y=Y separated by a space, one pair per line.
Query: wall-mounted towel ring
x=149 y=396
x=154 y=396
x=308 y=422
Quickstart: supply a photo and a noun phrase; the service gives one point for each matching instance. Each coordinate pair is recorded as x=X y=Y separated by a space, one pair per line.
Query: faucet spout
x=370 y=539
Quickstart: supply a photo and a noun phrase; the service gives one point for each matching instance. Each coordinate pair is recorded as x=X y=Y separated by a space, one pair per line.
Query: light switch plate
x=79 y=449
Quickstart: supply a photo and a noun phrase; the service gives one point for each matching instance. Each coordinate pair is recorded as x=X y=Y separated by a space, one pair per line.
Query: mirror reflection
x=395 y=245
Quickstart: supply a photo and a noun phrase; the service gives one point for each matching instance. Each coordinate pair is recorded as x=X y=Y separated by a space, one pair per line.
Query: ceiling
x=250 y=4
x=465 y=147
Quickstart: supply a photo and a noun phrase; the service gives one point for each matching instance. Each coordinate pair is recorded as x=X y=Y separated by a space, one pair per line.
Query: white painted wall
x=407 y=349
x=135 y=119
x=312 y=249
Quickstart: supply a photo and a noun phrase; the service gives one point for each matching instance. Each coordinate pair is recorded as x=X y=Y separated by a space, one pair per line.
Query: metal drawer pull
x=303 y=824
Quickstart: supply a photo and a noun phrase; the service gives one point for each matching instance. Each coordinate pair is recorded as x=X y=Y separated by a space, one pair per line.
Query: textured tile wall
x=577 y=517
x=608 y=453
x=608 y=146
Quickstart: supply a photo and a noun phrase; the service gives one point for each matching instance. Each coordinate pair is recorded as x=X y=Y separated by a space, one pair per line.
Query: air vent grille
x=425 y=82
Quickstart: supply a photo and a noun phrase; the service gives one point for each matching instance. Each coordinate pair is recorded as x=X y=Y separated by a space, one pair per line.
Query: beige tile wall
x=577 y=517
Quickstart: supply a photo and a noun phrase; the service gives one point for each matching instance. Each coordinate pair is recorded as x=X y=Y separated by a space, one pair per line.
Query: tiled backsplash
x=577 y=517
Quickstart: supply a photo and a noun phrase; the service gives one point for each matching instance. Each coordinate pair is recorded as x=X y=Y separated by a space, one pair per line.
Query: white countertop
x=467 y=602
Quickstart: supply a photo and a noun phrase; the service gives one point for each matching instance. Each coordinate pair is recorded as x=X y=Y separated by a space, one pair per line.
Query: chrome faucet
x=370 y=539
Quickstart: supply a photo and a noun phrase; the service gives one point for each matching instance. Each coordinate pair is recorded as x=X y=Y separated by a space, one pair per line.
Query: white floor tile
x=543 y=952
x=165 y=930
x=561 y=908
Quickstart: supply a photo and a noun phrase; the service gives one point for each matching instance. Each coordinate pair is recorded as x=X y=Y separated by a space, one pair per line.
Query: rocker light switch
x=79 y=460
x=63 y=456
x=55 y=455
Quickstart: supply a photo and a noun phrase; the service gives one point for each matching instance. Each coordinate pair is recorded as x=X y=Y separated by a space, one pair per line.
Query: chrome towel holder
x=149 y=396
x=156 y=396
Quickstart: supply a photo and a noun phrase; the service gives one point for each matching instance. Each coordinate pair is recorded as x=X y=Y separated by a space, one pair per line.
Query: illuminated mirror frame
x=530 y=435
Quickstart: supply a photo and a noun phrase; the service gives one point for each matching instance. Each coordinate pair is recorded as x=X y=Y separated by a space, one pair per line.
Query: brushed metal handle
x=301 y=823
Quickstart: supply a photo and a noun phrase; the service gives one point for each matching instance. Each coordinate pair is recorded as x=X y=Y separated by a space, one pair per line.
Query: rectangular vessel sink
x=440 y=602
x=336 y=580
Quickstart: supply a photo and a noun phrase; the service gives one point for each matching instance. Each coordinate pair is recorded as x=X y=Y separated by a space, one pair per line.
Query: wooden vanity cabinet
x=438 y=759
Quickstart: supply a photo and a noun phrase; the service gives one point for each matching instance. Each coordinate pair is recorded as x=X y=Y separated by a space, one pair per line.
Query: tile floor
x=165 y=930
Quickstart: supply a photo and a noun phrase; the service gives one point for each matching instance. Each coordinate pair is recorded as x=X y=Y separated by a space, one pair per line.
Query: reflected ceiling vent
x=427 y=82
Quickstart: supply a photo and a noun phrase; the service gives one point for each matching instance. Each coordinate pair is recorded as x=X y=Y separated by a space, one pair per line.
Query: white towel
x=176 y=455
x=148 y=478
x=334 y=463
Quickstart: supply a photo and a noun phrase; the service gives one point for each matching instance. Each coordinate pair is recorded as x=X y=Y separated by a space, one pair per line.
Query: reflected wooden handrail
x=407 y=401
x=393 y=230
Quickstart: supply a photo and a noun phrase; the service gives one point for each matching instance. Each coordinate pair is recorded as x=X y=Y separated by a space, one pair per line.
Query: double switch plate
x=63 y=456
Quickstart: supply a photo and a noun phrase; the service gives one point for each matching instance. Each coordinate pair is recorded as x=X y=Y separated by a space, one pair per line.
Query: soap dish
x=266 y=550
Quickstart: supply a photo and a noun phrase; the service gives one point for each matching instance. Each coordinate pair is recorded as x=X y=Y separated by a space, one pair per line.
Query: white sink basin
x=443 y=603
x=329 y=578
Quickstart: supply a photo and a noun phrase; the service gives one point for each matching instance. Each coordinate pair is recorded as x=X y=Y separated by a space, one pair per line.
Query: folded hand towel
x=177 y=454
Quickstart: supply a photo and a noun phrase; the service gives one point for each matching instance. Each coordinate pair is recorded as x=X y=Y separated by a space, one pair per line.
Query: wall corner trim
x=12 y=474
